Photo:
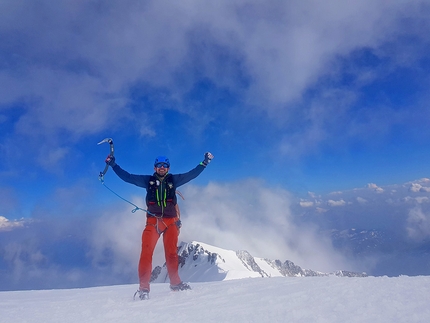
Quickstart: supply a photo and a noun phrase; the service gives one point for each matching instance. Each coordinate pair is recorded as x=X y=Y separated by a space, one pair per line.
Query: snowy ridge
x=200 y=262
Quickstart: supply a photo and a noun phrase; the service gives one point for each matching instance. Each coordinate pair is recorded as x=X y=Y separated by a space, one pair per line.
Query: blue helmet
x=162 y=160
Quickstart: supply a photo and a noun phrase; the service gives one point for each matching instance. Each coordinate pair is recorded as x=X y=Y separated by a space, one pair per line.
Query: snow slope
x=281 y=299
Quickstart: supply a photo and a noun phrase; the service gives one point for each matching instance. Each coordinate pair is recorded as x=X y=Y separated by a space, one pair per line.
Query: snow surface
x=281 y=299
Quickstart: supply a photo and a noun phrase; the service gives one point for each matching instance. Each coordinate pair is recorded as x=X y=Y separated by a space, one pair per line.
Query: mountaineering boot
x=180 y=286
x=142 y=293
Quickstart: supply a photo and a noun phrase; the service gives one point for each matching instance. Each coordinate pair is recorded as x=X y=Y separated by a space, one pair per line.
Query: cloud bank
x=104 y=248
x=256 y=217
x=72 y=69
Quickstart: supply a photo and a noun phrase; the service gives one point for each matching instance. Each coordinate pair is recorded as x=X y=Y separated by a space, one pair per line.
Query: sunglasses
x=160 y=165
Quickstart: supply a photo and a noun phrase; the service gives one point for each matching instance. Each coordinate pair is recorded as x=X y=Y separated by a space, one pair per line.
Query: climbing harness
x=157 y=227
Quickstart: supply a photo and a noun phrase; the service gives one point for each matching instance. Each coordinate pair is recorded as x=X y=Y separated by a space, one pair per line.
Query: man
x=162 y=217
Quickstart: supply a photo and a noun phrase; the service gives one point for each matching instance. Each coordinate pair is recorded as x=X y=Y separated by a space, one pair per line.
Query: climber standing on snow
x=162 y=216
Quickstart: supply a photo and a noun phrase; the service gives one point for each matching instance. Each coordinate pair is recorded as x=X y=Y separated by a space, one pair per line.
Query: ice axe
x=110 y=141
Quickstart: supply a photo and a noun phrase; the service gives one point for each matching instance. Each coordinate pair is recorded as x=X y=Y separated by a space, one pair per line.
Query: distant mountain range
x=363 y=242
x=395 y=254
x=384 y=230
x=200 y=262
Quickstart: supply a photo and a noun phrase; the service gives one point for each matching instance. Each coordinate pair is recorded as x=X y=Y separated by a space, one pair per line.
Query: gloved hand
x=110 y=160
x=208 y=158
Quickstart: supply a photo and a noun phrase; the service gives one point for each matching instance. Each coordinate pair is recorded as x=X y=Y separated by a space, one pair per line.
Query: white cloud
x=76 y=77
x=418 y=224
x=313 y=195
x=361 y=200
x=374 y=187
x=53 y=157
x=336 y=203
x=306 y=203
x=420 y=185
x=7 y=225
x=116 y=238
x=415 y=187
x=321 y=210
x=23 y=258
x=422 y=199
x=424 y=180
x=249 y=215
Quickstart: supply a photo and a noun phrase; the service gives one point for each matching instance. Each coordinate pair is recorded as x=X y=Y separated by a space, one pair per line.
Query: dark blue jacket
x=164 y=208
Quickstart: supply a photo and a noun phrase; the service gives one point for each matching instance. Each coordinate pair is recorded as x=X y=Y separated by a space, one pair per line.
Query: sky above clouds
x=291 y=98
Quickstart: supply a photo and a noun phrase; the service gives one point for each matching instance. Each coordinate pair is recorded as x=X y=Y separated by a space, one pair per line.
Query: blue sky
x=300 y=97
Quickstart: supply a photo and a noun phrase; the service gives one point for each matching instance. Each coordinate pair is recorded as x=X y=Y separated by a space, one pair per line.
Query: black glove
x=208 y=158
x=110 y=160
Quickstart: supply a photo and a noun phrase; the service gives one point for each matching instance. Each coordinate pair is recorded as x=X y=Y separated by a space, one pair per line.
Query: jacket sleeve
x=181 y=179
x=138 y=180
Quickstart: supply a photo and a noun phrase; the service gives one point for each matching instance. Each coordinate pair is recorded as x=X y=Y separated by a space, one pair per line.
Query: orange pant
x=150 y=236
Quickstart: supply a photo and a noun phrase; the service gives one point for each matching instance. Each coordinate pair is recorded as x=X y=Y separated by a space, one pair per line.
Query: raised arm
x=181 y=179
x=138 y=180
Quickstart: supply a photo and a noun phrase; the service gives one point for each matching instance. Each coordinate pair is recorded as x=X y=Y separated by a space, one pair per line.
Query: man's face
x=161 y=169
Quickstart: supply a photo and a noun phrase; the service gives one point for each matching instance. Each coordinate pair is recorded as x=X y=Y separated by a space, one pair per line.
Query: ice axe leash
x=102 y=174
